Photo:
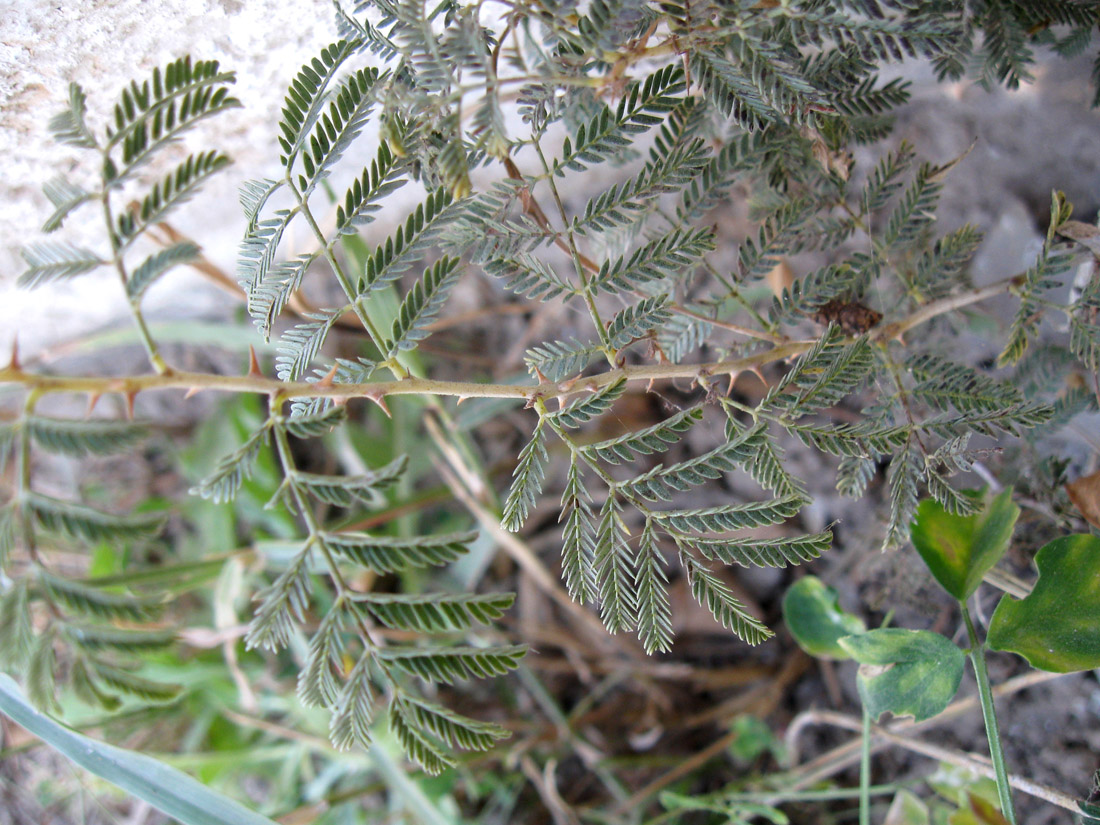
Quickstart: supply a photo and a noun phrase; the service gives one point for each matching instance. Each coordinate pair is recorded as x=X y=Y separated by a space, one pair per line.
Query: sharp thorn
x=326 y=382
x=130 y=397
x=93 y=399
x=733 y=380
x=253 y=363
x=13 y=365
x=192 y=391
x=380 y=400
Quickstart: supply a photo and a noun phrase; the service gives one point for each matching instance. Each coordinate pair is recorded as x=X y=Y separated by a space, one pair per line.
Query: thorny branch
x=173 y=379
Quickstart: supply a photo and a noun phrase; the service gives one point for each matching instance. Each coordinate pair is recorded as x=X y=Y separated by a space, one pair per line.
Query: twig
x=971 y=761
x=766 y=696
x=847 y=754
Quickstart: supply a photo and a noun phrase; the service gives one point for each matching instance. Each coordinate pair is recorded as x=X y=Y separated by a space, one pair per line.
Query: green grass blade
x=168 y=790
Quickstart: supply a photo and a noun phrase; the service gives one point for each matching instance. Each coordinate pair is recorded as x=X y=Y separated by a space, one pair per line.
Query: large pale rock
x=102 y=44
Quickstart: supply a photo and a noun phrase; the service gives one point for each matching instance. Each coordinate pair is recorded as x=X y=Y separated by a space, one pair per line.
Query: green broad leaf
x=168 y=790
x=959 y=550
x=1057 y=626
x=816 y=619
x=907 y=809
x=906 y=672
x=957 y=784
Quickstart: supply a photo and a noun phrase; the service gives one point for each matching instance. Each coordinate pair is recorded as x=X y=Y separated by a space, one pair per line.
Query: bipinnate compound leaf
x=816 y=619
x=906 y=672
x=1057 y=626
x=959 y=550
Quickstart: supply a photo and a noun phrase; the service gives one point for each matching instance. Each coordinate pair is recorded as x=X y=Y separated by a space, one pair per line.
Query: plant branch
x=196 y=381
x=847 y=754
x=989 y=714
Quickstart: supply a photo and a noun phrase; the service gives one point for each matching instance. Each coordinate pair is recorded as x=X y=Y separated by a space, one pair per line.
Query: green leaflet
x=55 y=260
x=435 y=613
x=526 y=482
x=654 y=439
x=613 y=565
x=103 y=604
x=636 y=321
x=577 y=565
x=361 y=201
x=344 y=491
x=231 y=470
x=816 y=620
x=1057 y=626
x=82 y=438
x=68 y=126
x=314 y=425
x=766 y=552
x=171 y=191
x=557 y=360
x=157 y=112
x=421 y=306
x=712 y=593
x=388 y=555
x=335 y=129
x=65 y=196
x=157 y=265
x=905 y=672
x=305 y=97
x=654 y=611
x=732 y=516
x=16 y=634
x=454 y=664
x=584 y=409
x=454 y=729
x=89 y=524
x=960 y=550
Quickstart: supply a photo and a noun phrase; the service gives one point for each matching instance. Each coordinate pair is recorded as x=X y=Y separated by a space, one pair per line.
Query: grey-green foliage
x=760 y=97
